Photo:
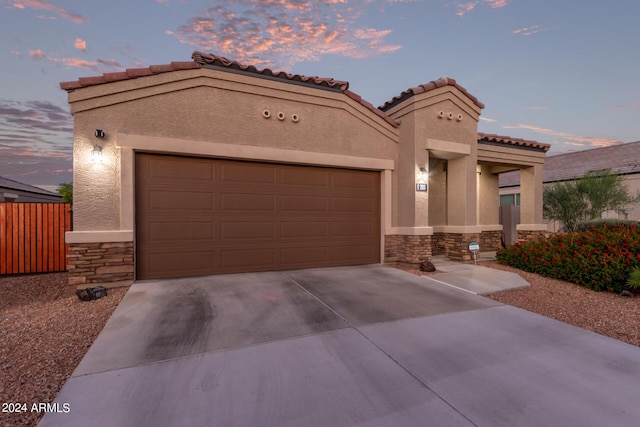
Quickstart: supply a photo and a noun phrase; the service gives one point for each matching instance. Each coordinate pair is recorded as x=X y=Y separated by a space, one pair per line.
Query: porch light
x=96 y=154
x=423 y=175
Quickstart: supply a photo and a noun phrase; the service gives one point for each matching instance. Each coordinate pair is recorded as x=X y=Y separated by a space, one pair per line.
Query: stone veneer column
x=457 y=245
x=407 y=248
x=532 y=234
x=107 y=264
x=490 y=240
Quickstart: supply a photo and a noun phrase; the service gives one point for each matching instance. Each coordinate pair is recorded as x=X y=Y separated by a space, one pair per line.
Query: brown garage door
x=199 y=216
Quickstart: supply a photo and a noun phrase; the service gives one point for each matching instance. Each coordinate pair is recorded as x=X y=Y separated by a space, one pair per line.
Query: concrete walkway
x=352 y=346
x=474 y=278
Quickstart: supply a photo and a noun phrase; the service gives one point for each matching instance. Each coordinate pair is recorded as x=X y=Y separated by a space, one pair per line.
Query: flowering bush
x=600 y=258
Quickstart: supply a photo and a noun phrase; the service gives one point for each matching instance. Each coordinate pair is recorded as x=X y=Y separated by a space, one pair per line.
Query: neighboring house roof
x=441 y=82
x=9 y=184
x=484 y=138
x=621 y=159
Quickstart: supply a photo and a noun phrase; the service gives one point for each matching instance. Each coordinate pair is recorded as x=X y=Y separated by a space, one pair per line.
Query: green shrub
x=634 y=279
x=599 y=223
x=600 y=258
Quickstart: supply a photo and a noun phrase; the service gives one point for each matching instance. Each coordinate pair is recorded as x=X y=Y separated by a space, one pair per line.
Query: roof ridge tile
x=434 y=84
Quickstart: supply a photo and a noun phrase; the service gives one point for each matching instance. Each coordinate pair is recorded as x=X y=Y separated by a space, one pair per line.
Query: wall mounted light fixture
x=96 y=154
x=99 y=133
x=423 y=175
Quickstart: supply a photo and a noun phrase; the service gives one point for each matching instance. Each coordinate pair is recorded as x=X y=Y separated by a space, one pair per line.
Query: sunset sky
x=564 y=72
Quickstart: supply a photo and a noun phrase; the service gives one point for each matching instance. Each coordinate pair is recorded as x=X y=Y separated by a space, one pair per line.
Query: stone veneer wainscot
x=107 y=264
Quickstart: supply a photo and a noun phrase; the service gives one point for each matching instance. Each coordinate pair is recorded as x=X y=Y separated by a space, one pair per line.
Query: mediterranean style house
x=212 y=166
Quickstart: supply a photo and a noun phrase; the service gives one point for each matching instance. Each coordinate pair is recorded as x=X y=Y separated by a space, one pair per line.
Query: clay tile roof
x=130 y=73
x=211 y=59
x=441 y=82
x=338 y=85
x=491 y=138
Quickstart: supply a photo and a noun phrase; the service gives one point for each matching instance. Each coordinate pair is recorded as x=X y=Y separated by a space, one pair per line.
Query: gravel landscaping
x=605 y=313
x=45 y=330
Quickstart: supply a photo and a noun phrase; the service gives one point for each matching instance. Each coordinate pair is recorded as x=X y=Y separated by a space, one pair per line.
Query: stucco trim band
x=98 y=236
x=247 y=152
x=449 y=150
x=409 y=231
x=459 y=229
x=532 y=227
x=496 y=227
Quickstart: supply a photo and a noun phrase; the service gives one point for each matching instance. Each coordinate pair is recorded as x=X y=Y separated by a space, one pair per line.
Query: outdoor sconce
x=423 y=175
x=96 y=154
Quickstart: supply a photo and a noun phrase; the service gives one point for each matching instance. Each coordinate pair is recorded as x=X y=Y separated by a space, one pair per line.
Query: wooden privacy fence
x=32 y=237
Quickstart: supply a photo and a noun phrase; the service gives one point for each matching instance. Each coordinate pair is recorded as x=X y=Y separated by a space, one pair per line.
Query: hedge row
x=600 y=258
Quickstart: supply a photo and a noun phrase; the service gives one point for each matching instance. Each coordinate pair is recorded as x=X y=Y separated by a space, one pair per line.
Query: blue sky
x=564 y=72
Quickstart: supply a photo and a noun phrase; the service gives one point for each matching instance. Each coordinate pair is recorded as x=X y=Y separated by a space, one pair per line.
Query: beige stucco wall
x=488 y=197
x=438 y=193
x=424 y=125
x=215 y=107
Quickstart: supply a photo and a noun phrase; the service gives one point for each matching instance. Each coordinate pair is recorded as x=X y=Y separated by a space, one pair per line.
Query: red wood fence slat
x=14 y=238
x=32 y=237
x=3 y=242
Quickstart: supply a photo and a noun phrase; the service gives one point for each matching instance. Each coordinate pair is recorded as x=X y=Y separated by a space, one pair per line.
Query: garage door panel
x=351 y=229
x=199 y=216
x=247 y=173
x=172 y=231
x=178 y=263
x=304 y=204
x=198 y=170
x=300 y=257
x=304 y=178
x=182 y=200
x=361 y=254
x=352 y=205
x=247 y=259
x=247 y=230
x=247 y=202
x=304 y=230
x=357 y=180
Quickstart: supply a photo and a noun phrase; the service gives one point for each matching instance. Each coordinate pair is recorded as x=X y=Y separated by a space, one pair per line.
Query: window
x=510 y=199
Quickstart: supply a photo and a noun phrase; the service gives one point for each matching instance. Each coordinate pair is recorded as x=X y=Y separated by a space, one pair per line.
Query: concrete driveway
x=352 y=346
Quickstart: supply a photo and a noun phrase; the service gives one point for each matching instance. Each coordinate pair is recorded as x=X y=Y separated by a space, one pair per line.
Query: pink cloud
x=569 y=138
x=487 y=119
x=464 y=8
x=539 y=108
x=98 y=66
x=495 y=4
x=45 y=5
x=16 y=53
x=37 y=54
x=80 y=45
x=283 y=32
x=527 y=31
x=628 y=106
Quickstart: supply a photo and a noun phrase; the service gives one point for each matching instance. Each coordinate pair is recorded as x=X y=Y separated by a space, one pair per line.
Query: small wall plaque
x=421 y=186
